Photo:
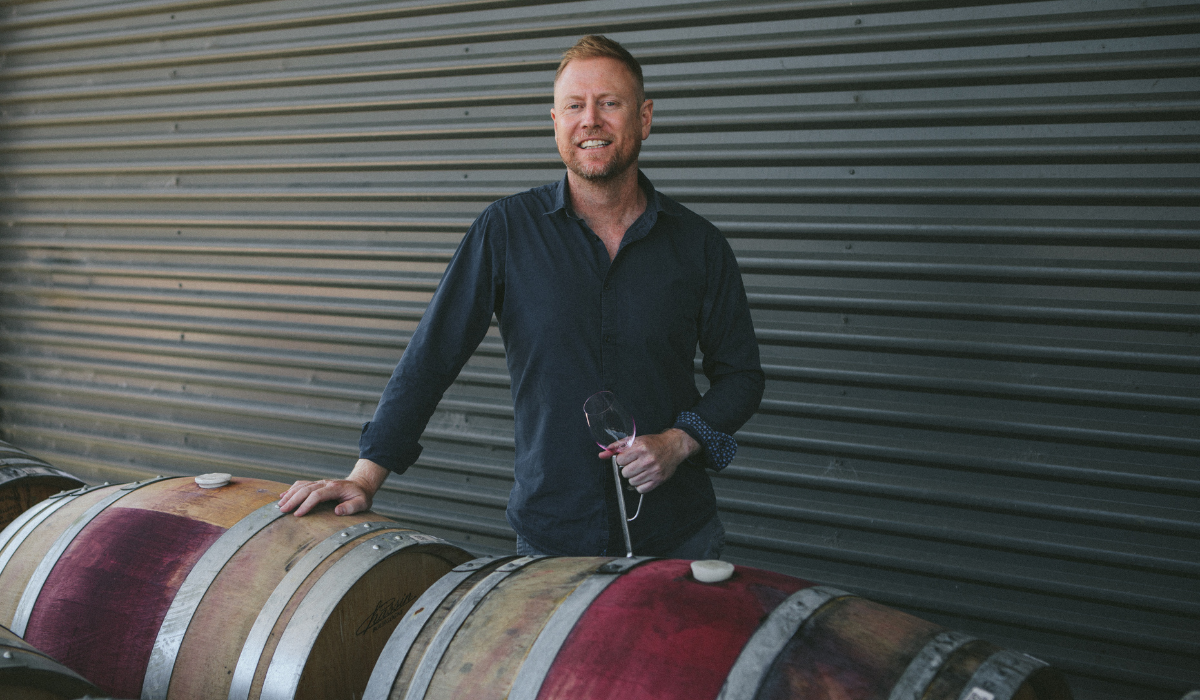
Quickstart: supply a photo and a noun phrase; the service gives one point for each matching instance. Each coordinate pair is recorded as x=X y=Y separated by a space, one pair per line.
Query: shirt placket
x=610 y=329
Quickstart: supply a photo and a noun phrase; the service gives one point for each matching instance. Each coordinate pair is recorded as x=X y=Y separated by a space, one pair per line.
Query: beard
x=606 y=171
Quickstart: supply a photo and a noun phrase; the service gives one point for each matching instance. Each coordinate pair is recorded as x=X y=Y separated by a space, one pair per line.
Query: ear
x=647 y=114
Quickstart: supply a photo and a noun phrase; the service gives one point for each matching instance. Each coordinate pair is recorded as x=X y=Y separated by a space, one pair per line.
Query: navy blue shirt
x=574 y=323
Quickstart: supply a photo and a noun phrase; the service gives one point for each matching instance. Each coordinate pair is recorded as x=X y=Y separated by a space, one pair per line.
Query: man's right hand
x=354 y=493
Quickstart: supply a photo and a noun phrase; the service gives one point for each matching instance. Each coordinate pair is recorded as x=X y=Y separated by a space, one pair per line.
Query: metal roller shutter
x=969 y=232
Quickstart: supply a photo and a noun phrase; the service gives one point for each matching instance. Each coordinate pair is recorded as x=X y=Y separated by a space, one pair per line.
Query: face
x=599 y=125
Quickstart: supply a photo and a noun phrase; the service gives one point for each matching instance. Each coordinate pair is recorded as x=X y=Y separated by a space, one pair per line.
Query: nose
x=590 y=116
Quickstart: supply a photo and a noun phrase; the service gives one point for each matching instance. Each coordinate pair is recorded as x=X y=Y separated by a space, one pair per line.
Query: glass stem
x=621 y=505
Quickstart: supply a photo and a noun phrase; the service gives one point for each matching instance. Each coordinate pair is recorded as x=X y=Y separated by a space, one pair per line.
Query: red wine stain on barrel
x=101 y=607
x=656 y=633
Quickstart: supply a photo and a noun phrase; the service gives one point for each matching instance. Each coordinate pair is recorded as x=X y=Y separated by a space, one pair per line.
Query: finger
x=352 y=506
x=319 y=493
x=293 y=497
x=292 y=489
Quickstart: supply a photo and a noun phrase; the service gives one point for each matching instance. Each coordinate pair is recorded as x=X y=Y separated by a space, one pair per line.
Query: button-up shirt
x=574 y=322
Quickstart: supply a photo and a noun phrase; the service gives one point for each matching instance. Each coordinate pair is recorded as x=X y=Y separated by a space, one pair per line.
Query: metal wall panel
x=969 y=232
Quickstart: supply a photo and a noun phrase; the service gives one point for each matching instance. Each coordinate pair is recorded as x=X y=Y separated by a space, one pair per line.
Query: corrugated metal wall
x=969 y=231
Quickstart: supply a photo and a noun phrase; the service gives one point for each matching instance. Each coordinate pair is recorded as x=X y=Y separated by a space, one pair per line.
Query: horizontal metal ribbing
x=491 y=346
x=233 y=25
x=480 y=63
x=899 y=527
x=947 y=498
x=382 y=280
x=943 y=152
x=1181 y=192
x=333 y=17
x=648 y=17
x=1130 y=276
x=343 y=308
x=323 y=250
x=842 y=377
x=174 y=194
x=1038 y=232
x=778 y=155
x=1093 y=67
x=1033 y=313
x=452 y=225
x=1031 y=233
x=1024 y=354
x=1081 y=26
x=1013 y=352
x=1034 y=272
x=1141 y=479
x=20 y=18
x=999 y=111
x=1111 y=438
x=211 y=352
x=978 y=387
x=934 y=421
x=249 y=355
x=1055 y=511
x=910 y=562
x=352 y=423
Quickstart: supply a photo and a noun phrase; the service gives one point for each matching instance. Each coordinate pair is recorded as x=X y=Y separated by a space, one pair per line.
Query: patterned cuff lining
x=718 y=447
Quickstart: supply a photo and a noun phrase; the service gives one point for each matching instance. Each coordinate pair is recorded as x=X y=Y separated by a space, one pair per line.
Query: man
x=597 y=282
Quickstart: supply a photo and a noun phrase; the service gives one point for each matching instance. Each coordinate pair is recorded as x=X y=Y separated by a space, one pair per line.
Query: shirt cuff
x=719 y=448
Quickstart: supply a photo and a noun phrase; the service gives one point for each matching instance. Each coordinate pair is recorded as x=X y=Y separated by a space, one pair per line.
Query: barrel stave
x=209 y=651
x=850 y=647
x=404 y=666
x=370 y=610
x=513 y=614
x=119 y=562
x=32 y=544
x=26 y=480
x=27 y=673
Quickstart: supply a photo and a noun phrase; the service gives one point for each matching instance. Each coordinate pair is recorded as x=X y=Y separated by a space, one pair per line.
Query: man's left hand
x=652 y=459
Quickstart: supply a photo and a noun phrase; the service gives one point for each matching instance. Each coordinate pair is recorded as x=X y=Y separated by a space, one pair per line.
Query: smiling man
x=597 y=281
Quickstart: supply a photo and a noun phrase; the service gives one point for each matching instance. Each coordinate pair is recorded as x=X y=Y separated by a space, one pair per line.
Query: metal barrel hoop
x=34 y=587
x=751 y=667
x=537 y=663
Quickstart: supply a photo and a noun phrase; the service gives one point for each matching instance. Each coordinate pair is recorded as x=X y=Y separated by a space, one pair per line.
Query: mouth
x=594 y=143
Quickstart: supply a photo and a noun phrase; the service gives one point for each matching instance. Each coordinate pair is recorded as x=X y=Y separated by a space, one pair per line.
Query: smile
x=594 y=143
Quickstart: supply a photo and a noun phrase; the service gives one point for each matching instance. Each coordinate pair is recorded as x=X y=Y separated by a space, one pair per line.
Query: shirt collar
x=654 y=203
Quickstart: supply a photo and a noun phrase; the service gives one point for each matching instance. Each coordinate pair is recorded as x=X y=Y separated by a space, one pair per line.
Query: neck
x=608 y=207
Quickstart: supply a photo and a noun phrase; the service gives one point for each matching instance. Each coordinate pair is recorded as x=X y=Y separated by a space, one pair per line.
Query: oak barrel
x=26 y=480
x=28 y=674
x=161 y=588
x=646 y=629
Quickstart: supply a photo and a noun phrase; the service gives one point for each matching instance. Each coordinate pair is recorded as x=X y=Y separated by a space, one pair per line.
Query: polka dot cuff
x=719 y=448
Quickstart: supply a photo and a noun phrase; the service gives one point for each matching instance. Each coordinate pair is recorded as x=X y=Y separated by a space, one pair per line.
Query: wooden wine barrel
x=26 y=480
x=646 y=629
x=28 y=674
x=161 y=589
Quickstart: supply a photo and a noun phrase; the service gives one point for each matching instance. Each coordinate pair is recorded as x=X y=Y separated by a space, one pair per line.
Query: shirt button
x=608 y=338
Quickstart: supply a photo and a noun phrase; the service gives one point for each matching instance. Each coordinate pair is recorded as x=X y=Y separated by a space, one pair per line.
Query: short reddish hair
x=599 y=46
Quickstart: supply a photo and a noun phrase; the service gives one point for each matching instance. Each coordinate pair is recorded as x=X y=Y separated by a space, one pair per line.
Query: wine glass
x=610 y=423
